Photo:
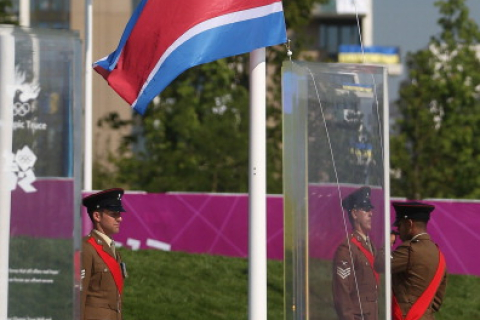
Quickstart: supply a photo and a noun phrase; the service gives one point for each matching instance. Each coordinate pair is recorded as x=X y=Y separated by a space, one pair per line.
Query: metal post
x=7 y=76
x=257 y=296
x=386 y=190
x=24 y=13
x=88 y=96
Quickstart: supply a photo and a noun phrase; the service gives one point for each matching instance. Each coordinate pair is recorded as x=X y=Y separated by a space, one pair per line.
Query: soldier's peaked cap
x=359 y=199
x=412 y=210
x=110 y=199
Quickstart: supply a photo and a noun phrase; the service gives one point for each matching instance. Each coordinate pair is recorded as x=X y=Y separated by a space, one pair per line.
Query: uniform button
x=105 y=270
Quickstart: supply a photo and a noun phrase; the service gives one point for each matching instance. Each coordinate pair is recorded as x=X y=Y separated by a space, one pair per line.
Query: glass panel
x=43 y=92
x=333 y=116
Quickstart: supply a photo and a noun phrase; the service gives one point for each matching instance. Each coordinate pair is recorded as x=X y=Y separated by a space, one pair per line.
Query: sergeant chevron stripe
x=343 y=273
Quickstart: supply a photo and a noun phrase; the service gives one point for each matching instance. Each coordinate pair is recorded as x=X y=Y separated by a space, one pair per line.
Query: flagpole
x=88 y=97
x=24 y=13
x=7 y=79
x=386 y=195
x=257 y=264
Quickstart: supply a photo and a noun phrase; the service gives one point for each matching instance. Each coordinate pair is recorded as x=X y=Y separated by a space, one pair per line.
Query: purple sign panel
x=218 y=224
x=196 y=223
x=45 y=213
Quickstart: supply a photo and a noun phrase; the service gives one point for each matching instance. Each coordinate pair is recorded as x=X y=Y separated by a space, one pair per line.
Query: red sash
x=111 y=263
x=423 y=302
x=369 y=257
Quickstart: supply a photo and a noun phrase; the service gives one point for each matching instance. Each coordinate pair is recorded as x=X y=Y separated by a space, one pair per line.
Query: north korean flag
x=166 y=37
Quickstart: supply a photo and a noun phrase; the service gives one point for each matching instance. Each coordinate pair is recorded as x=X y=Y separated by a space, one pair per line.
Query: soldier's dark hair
x=91 y=211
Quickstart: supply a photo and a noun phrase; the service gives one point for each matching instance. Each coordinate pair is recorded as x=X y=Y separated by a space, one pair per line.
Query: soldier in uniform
x=103 y=271
x=419 y=274
x=355 y=280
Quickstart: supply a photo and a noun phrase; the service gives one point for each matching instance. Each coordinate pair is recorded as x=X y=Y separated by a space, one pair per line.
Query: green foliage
x=436 y=151
x=6 y=16
x=195 y=137
x=298 y=13
x=178 y=285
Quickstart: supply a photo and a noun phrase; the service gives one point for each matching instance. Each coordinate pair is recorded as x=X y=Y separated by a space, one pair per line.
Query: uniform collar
x=360 y=236
x=103 y=237
x=422 y=235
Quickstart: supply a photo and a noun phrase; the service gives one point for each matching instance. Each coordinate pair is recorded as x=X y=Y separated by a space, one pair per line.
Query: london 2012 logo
x=20 y=168
x=25 y=94
x=21 y=164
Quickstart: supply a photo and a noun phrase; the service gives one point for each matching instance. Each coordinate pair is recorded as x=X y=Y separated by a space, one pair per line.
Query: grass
x=177 y=285
x=462 y=299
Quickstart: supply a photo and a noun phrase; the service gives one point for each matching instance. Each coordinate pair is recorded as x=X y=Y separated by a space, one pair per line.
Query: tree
x=194 y=137
x=436 y=151
x=6 y=16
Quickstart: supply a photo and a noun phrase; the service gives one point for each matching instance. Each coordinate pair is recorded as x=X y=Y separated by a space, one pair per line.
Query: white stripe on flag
x=216 y=22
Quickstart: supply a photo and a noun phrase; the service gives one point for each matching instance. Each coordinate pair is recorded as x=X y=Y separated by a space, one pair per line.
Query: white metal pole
x=257 y=265
x=7 y=77
x=386 y=190
x=24 y=13
x=88 y=96
x=367 y=24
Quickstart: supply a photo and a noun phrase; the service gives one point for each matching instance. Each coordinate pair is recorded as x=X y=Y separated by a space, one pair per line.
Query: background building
x=109 y=20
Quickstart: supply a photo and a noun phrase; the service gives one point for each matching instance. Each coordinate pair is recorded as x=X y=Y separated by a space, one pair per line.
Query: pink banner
x=196 y=223
x=45 y=213
x=218 y=224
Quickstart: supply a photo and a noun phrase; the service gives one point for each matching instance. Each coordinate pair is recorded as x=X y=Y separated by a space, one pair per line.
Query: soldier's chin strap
x=423 y=302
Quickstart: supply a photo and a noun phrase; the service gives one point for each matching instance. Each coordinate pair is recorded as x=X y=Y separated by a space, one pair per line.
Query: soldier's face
x=363 y=219
x=109 y=222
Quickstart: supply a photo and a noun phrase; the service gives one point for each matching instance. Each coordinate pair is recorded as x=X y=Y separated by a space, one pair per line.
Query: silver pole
x=257 y=264
x=386 y=190
x=88 y=96
x=24 y=13
x=7 y=76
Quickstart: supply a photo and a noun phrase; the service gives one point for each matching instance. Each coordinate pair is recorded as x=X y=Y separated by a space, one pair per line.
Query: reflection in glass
x=333 y=146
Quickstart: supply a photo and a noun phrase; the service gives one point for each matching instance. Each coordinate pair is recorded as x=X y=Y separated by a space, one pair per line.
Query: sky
x=408 y=24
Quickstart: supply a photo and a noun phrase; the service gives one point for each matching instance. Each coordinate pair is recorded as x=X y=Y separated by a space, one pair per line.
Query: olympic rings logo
x=24 y=159
x=21 y=109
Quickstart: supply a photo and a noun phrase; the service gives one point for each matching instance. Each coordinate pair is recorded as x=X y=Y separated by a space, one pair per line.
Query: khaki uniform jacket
x=345 y=274
x=100 y=298
x=414 y=264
